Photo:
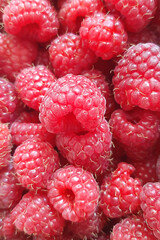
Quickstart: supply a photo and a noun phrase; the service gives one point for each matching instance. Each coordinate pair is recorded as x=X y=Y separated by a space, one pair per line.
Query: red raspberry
x=34 y=162
x=3 y=214
x=3 y=4
x=136 y=78
x=150 y=196
x=133 y=227
x=27 y=20
x=15 y=54
x=90 y=150
x=120 y=192
x=34 y=215
x=104 y=34
x=32 y=84
x=28 y=117
x=69 y=54
x=77 y=102
x=74 y=193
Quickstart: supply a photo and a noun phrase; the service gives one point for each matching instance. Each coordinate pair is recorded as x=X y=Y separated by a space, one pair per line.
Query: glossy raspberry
x=15 y=54
x=104 y=34
x=32 y=84
x=69 y=54
x=90 y=150
x=34 y=215
x=74 y=193
x=120 y=192
x=35 y=19
x=136 y=78
x=72 y=103
x=34 y=162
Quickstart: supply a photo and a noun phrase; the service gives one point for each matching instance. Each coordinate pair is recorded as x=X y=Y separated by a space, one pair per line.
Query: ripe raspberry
x=34 y=215
x=77 y=102
x=136 y=78
x=104 y=34
x=15 y=54
x=74 y=193
x=28 y=117
x=149 y=197
x=90 y=150
x=27 y=20
x=32 y=84
x=69 y=54
x=133 y=227
x=120 y=192
x=34 y=162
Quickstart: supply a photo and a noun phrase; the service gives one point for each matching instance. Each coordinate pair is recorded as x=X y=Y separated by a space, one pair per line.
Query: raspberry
x=158 y=168
x=3 y=214
x=69 y=54
x=104 y=34
x=32 y=84
x=34 y=215
x=133 y=227
x=34 y=162
x=136 y=78
x=77 y=102
x=74 y=193
x=28 y=117
x=43 y=58
x=150 y=196
x=15 y=54
x=27 y=20
x=120 y=192
x=90 y=150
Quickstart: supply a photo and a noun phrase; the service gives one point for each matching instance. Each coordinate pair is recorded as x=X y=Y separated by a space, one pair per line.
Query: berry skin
x=77 y=102
x=32 y=84
x=104 y=34
x=136 y=78
x=120 y=192
x=35 y=19
x=69 y=54
x=74 y=193
x=28 y=117
x=90 y=150
x=34 y=162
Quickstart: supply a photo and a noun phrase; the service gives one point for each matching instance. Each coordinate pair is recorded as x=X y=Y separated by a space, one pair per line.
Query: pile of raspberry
x=79 y=120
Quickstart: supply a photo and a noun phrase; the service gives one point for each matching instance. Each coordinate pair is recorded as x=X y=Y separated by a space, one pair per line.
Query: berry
x=27 y=20
x=28 y=117
x=43 y=58
x=77 y=102
x=3 y=4
x=74 y=193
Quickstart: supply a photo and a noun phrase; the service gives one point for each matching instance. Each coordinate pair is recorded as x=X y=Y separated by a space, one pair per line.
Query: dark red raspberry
x=28 y=117
x=34 y=162
x=69 y=54
x=136 y=78
x=27 y=21
x=104 y=34
x=34 y=215
x=73 y=103
x=74 y=193
x=32 y=84
x=120 y=192
x=43 y=58
x=103 y=236
x=91 y=150
x=15 y=54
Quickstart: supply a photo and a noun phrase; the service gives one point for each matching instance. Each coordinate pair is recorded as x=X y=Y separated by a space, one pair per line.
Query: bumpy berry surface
x=28 y=117
x=34 y=162
x=120 y=192
x=104 y=34
x=136 y=78
x=27 y=20
x=68 y=54
x=3 y=214
x=72 y=103
x=3 y=4
x=74 y=193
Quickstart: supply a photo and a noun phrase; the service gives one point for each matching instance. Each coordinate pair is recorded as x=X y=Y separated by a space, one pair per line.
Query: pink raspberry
x=15 y=54
x=69 y=54
x=74 y=193
x=27 y=21
x=73 y=103
x=136 y=78
x=34 y=162
x=104 y=34
x=120 y=192
x=91 y=150
x=32 y=84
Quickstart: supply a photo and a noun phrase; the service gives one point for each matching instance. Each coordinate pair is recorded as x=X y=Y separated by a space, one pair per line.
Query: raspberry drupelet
x=74 y=193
